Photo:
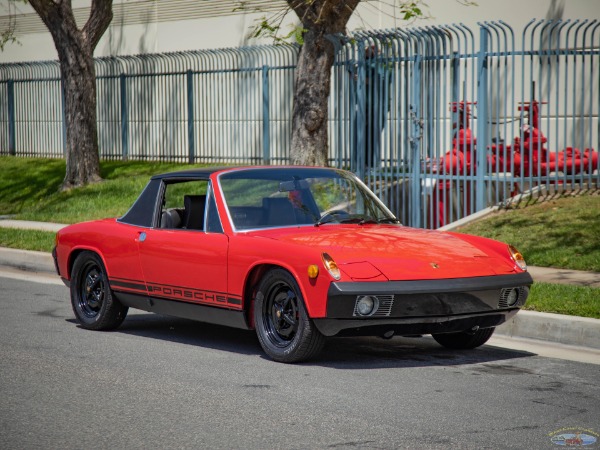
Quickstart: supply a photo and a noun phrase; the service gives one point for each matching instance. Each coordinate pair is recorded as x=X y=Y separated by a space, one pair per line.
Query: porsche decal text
x=178 y=293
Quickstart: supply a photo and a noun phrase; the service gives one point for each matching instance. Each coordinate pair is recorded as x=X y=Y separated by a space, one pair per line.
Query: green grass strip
x=564 y=299
x=42 y=241
x=29 y=189
x=562 y=233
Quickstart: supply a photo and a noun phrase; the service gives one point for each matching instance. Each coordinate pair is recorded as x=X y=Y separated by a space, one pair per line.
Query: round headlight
x=513 y=297
x=366 y=305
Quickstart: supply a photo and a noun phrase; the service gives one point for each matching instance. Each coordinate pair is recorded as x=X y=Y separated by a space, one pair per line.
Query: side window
x=213 y=223
x=184 y=204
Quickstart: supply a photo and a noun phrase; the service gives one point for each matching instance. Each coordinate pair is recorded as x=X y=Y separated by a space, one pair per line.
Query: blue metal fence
x=444 y=122
x=215 y=106
x=439 y=121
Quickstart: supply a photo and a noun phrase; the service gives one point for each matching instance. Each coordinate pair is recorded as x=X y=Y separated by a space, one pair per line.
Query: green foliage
x=564 y=299
x=8 y=34
x=6 y=37
x=29 y=189
x=26 y=183
x=265 y=28
x=41 y=241
x=270 y=26
x=561 y=232
x=410 y=11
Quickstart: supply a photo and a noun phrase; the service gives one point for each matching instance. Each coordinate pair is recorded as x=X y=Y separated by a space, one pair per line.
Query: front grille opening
x=386 y=302
x=505 y=293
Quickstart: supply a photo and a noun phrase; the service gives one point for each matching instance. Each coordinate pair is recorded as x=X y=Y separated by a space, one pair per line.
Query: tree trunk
x=311 y=96
x=79 y=87
x=313 y=73
x=75 y=49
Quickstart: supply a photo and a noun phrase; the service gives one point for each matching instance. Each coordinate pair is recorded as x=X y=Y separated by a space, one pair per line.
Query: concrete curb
x=556 y=328
x=27 y=260
x=568 y=330
x=471 y=218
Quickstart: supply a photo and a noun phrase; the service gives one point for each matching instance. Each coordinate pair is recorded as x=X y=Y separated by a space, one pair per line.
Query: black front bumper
x=423 y=306
x=55 y=259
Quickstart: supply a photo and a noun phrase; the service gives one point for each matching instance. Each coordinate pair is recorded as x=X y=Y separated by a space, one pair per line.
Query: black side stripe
x=115 y=284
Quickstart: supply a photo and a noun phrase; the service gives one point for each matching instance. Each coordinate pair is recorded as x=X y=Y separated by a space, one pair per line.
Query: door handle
x=141 y=236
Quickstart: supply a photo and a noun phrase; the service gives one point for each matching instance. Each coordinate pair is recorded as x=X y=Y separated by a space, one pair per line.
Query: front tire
x=283 y=327
x=93 y=304
x=464 y=340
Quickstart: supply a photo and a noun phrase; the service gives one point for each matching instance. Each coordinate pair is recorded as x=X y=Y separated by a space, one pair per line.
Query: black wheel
x=464 y=339
x=284 y=329
x=94 y=306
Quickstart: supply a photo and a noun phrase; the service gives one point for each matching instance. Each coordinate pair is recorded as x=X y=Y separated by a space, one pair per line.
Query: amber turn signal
x=313 y=271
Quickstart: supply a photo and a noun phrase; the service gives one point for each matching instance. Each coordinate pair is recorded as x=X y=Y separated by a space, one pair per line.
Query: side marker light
x=313 y=271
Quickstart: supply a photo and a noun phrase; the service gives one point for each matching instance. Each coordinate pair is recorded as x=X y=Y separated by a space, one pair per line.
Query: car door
x=185 y=261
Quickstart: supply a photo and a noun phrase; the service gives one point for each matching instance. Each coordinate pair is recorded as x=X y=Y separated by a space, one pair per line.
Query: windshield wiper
x=368 y=219
x=325 y=219
x=388 y=220
x=361 y=220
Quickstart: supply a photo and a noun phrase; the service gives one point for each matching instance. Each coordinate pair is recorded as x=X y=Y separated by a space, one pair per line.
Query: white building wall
x=176 y=25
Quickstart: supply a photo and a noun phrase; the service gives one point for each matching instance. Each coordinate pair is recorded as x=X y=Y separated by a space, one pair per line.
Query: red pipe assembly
x=528 y=156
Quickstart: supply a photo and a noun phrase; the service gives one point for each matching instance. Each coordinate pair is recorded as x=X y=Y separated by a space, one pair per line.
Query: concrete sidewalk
x=565 y=276
x=29 y=225
x=562 y=329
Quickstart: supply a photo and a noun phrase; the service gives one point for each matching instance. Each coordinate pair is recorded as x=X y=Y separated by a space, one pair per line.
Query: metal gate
x=442 y=123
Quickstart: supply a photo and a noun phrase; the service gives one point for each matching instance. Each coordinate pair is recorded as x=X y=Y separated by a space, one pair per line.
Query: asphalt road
x=160 y=382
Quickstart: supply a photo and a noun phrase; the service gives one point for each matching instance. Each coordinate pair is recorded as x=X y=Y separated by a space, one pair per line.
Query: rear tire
x=464 y=340
x=92 y=300
x=283 y=327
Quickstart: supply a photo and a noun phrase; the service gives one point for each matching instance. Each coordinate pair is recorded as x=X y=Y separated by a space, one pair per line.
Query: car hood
x=372 y=252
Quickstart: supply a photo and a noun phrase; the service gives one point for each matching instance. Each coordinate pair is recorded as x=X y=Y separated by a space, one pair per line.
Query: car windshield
x=267 y=198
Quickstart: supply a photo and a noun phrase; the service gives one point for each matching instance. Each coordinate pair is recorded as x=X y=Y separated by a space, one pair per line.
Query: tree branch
x=300 y=7
x=100 y=17
x=47 y=10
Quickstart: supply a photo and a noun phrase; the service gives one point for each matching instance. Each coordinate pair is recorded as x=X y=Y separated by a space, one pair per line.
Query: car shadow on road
x=190 y=332
x=402 y=352
x=339 y=353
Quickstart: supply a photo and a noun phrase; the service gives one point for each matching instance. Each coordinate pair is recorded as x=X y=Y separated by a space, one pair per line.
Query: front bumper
x=423 y=306
x=55 y=259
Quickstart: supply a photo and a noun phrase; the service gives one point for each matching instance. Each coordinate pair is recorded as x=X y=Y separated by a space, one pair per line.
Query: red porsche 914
x=295 y=253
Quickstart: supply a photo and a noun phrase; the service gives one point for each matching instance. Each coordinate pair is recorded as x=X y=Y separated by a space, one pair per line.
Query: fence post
x=266 y=126
x=124 y=118
x=455 y=64
x=361 y=113
x=482 y=120
x=64 y=116
x=10 y=87
x=190 y=113
x=415 y=156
